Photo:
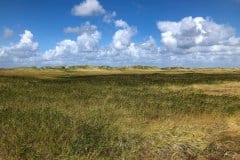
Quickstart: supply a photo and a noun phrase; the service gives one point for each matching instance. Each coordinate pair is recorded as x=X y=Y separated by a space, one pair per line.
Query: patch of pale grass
x=176 y=88
x=175 y=135
x=31 y=72
x=233 y=125
x=188 y=127
x=225 y=88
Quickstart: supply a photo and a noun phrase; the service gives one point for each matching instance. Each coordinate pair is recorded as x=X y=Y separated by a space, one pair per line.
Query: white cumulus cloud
x=146 y=53
x=85 y=49
x=93 y=8
x=190 y=42
x=199 y=42
x=86 y=42
x=88 y=8
x=21 y=52
x=192 y=33
x=26 y=47
x=122 y=37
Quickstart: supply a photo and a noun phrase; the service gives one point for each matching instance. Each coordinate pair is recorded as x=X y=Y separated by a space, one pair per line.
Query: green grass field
x=119 y=113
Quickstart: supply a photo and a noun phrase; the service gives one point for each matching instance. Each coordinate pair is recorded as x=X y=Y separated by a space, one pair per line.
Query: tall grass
x=34 y=134
x=132 y=116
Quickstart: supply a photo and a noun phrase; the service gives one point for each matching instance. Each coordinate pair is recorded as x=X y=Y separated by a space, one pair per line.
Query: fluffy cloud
x=88 y=8
x=145 y=53
x=7 y=33
x=191 y=42
x=26 y=42
x=122 y=37
x=146 y=50
x=93 y=8
x=86 y=42
x=20 y=53
x=26 y=47
x=199 y=42
x=121 y=51
x=195 y=34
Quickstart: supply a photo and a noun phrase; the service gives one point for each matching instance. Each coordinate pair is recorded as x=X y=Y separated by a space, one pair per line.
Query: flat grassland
x=119 y=113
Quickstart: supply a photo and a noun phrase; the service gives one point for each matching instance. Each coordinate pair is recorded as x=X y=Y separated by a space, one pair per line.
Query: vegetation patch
x=119 y=113
x=35 y=133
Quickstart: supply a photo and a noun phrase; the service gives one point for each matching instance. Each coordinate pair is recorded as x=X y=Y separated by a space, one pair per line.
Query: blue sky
x=191 y=33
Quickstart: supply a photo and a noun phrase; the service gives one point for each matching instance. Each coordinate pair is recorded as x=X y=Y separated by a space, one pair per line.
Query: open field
x=119 y=113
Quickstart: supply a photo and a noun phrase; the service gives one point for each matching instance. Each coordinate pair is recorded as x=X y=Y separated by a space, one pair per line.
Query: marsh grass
x=34 y=134
x=126 y=113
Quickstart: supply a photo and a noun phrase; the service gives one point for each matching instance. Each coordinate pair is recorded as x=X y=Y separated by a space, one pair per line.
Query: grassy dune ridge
x=134 y=112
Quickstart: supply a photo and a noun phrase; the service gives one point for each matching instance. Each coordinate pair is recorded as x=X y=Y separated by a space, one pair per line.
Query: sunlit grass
x=119 y=113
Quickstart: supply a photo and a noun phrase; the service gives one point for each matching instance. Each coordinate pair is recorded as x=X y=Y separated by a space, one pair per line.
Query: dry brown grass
x=225 y=88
